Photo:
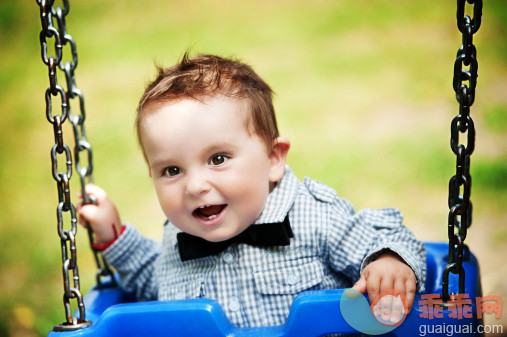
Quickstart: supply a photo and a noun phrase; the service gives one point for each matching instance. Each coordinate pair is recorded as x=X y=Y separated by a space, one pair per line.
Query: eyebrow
x=221 y=145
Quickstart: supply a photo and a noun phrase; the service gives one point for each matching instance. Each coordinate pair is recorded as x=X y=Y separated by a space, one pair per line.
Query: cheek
x=250 y=198
x=249 y=183
x=255 y=170
x=168 y=197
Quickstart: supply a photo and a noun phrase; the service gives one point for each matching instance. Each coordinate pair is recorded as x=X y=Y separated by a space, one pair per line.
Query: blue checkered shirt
x=256 y=285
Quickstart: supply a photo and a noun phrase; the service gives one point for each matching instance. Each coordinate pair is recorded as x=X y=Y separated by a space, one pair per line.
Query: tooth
x=211 y=217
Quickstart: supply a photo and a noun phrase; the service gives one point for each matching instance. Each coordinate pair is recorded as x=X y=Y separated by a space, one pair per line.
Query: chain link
x=460 y=207
x=60 y=39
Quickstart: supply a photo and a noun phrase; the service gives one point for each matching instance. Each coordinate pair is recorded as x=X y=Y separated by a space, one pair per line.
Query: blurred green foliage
x=363 y=90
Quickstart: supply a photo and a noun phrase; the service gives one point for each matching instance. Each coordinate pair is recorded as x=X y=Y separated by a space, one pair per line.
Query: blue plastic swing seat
x=313 y=313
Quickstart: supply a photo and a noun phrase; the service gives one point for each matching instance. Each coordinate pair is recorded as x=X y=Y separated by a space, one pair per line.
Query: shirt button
x=292 y=279
x=234 y=304
x=228 y=257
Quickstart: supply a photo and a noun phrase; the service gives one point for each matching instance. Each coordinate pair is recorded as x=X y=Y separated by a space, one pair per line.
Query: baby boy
x=241 y=228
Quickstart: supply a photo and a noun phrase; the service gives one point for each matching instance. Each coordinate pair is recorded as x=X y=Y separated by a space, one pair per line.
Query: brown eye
x=218 y=159
x=172 y=171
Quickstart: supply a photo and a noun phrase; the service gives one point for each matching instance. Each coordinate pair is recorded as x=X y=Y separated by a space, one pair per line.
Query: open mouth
x=209 y=212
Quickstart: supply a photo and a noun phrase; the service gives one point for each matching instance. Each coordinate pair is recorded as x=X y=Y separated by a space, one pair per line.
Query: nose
x=197 y=183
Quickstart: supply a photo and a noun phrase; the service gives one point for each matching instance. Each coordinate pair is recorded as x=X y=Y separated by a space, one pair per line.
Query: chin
x=220 y=235
x=217 y=238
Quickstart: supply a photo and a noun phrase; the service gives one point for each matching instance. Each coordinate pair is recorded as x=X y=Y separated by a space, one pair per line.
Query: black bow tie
x=268 y=234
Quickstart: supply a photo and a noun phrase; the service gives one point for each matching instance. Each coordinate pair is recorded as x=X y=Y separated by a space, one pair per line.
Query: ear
x=278 y=157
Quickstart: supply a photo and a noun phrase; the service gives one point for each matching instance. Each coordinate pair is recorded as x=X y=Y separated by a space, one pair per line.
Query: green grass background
x=363 y=91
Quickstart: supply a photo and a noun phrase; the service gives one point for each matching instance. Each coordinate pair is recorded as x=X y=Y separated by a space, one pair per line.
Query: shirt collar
x=280 y=200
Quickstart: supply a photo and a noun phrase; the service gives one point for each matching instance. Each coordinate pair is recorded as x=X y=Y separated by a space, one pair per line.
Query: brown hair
x=208 y=75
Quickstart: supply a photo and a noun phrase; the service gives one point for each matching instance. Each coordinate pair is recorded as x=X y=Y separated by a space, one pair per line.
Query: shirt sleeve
x=355 y=239
x=133 y=256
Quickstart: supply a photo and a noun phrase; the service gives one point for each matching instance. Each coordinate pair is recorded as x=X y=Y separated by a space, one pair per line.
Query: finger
x=360 y=285
x=83 y=222
x=396 y=315
x=99 y=193
x=87 y=212
x=373 y=286
x=399 y=284
x=79 y=204
x=387 y=283
x=398 y=308
x=386 y=301
x=410 y=289
x=84 y=216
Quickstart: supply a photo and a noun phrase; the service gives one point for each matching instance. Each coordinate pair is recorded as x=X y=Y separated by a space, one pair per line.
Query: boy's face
x=212 y=176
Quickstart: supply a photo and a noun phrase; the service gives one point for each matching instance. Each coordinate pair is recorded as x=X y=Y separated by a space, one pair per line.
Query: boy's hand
x=388 y=271
x=103 y=217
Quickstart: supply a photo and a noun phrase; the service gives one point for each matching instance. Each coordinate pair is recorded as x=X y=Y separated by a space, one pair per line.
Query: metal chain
x=48 y=14
x=80 y=141
x=460 y=206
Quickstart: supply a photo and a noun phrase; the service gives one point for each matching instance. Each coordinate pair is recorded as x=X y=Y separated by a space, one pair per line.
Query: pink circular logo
x=390 y=308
